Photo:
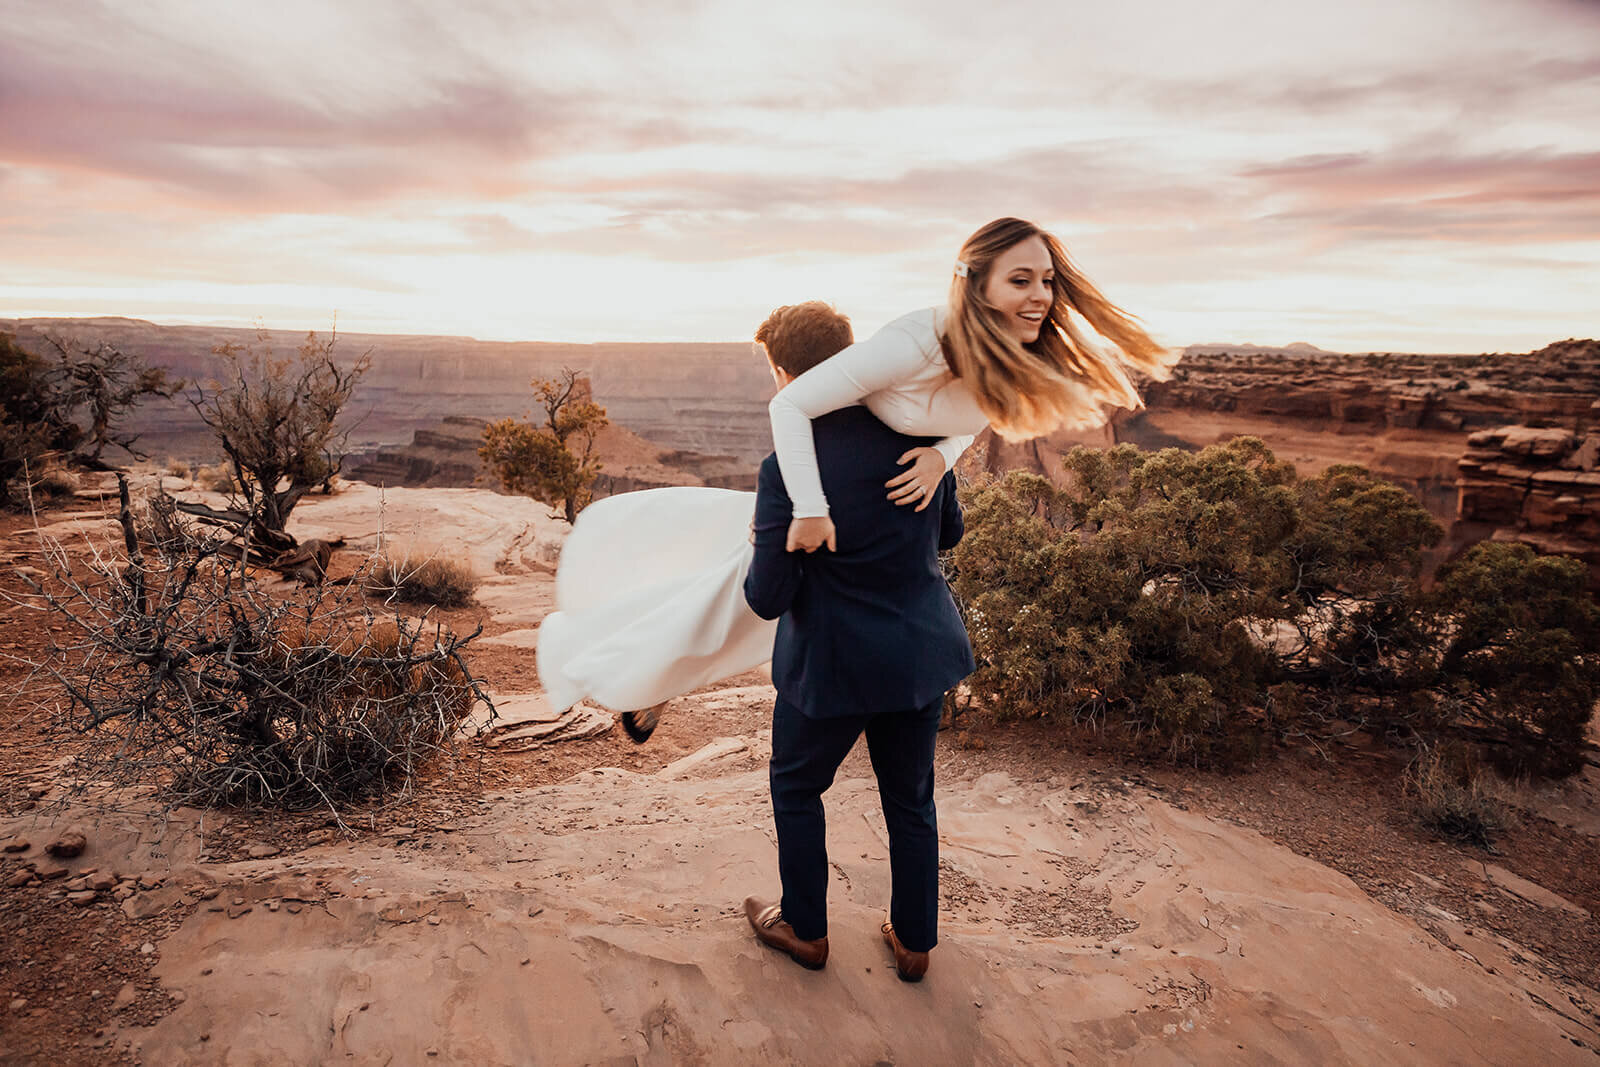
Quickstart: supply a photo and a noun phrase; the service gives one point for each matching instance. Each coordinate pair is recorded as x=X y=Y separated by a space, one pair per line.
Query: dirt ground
x=76 y=975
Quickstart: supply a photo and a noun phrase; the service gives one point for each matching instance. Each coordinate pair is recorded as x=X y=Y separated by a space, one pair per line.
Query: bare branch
x=182 y=673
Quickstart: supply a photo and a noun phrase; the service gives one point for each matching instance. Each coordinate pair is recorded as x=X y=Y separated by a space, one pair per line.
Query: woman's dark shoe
x=910 y=966
x=639 y=725
x=767 y=921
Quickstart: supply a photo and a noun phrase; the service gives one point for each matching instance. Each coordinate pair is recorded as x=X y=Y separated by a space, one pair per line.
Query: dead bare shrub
x=179 y=671
x=278 y=420
x=423 y=578
x=69 y=400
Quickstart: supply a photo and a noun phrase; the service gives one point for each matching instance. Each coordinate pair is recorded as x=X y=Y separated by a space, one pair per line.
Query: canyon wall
x=1536 y=486
x=701 y=408
x=1498 y=446
x=1406 y=417
x=447 y=455
x=705 y=398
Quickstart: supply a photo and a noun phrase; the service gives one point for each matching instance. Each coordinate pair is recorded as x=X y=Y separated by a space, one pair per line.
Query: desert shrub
x=217 y=479
x=1521 y=651
x=177 y=671
x=417 y=578
x=22 y=449
x=1450 y=792
x=1202 y=605
x=55 y=483
x=179 y=468
x=34 y=418
x=551 y=460
x=358 y=707
x=1356 y=535
x=1135 y=598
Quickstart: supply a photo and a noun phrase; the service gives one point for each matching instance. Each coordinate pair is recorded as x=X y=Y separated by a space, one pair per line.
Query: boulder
x=70 y=844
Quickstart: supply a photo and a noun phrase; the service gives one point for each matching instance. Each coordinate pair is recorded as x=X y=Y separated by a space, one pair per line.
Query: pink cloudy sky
x=1368 y=174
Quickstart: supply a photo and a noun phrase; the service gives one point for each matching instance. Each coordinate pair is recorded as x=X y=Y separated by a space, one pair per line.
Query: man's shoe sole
x=807 y=964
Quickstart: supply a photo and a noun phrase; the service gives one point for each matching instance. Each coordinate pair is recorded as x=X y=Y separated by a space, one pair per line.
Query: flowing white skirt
x=650 y=600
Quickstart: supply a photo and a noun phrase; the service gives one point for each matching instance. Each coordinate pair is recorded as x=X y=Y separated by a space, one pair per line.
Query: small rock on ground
x=70 y=844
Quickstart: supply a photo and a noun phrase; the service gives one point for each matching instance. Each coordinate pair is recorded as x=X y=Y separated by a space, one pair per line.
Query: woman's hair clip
x=961 y=268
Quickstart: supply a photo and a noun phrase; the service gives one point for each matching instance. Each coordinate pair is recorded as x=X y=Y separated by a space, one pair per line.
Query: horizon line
x=256 y=327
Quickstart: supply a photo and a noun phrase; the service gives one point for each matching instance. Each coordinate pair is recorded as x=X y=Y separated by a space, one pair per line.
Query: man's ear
x=779 y=376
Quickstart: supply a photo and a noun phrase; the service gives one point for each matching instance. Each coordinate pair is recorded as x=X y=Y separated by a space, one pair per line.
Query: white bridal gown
x=650 y=587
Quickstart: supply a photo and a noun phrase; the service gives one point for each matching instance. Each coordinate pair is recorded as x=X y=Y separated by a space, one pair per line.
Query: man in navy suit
x=869 y=640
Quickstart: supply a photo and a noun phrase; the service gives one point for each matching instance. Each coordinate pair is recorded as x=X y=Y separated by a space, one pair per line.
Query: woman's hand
x=808 y=535
x=916 y=485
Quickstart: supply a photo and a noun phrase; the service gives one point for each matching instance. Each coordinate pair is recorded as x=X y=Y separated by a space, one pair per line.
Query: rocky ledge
x=1497 y=445
x=446 y=455
x=1389 y=391
x=1537 y=486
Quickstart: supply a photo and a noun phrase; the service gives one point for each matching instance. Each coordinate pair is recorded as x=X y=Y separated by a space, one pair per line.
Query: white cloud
x=428 y=168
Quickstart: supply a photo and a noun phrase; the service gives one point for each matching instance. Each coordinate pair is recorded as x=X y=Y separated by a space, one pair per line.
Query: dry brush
x=178 y=670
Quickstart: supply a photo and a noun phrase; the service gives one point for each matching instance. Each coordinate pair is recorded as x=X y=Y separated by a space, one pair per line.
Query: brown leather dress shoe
x=767 y=921
x=910 y=966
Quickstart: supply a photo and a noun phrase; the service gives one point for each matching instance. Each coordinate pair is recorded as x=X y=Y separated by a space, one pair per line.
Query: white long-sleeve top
x=899 y=373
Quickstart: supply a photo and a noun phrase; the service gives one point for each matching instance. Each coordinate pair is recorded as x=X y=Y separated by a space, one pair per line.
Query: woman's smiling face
x=1021 y=287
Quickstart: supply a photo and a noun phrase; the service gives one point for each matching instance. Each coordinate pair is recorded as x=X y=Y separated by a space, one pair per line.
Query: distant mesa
x=1298 y=348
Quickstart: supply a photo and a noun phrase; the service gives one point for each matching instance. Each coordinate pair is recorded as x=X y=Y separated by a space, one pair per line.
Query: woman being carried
x=650 y=586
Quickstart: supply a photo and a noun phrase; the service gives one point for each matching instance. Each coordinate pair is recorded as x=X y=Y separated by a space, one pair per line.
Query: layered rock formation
x=1387 y=391
x=1536 y=486
x=447 y=455
x=1406 y=417
x=991 y=454
x=705 y=398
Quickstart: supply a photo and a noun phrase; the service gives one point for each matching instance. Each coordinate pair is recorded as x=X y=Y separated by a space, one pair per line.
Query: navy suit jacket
x=871 y=627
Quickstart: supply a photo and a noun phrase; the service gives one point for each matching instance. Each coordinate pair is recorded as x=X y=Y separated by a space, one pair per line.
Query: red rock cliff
x=1537 y=486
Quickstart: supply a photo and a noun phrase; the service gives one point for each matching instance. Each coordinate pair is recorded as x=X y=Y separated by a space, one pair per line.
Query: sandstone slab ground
x=597 y=920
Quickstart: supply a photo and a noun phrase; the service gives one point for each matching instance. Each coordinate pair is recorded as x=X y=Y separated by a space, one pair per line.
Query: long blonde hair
x=1062 y=380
